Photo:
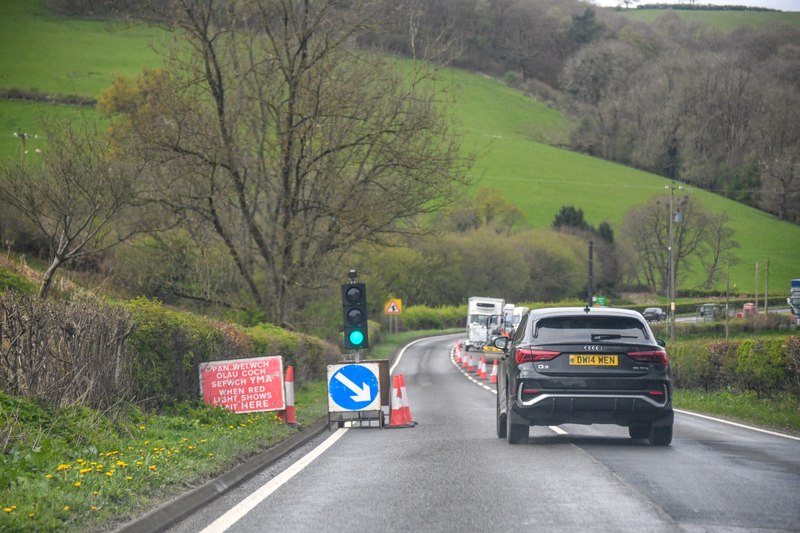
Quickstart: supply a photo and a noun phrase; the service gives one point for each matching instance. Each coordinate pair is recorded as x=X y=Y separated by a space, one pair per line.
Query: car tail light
x=655 y=356
x=526 y=356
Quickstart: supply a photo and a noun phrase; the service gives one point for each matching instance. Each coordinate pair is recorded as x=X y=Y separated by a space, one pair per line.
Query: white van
x=481 y=314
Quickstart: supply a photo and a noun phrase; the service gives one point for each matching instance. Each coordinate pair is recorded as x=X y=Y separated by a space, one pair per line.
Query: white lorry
x=483 y=314
x=519 y=310
x=794 y=300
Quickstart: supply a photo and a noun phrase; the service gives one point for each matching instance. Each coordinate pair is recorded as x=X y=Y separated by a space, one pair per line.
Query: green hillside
x=510 y=133
x=722 y=20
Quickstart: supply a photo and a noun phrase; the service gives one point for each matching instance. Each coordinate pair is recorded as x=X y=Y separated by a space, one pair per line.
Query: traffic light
x=354 y=313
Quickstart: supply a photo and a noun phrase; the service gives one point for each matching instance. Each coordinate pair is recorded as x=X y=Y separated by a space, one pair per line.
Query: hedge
x=169 y=346
x=764 y=365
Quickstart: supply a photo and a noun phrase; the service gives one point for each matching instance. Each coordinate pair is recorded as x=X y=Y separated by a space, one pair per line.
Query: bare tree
x=74 y=196
x=779 y=153
x=695 y=235
x=290 y=143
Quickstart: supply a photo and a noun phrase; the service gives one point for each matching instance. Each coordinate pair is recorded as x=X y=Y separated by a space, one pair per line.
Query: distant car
x=574 y=365
x=654 y=314
x=710 y=312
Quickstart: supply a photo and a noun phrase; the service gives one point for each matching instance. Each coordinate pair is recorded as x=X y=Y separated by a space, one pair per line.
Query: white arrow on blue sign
x=353 y=387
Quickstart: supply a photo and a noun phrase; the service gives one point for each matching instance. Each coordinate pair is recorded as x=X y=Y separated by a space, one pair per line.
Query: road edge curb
x=184 y=505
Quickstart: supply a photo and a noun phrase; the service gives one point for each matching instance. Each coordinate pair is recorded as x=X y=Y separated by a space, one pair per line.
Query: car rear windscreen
x=590 y=329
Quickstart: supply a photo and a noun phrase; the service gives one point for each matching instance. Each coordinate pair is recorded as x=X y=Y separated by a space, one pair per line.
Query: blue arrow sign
x=353 y=387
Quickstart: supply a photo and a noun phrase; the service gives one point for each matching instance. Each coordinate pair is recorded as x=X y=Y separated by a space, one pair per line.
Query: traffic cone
x=482 y=368
x=289 y=415
x=457 y=349
x=470 y=364
x=404 y=399
x=398 y=418
x=493 y=375
x=465 y=360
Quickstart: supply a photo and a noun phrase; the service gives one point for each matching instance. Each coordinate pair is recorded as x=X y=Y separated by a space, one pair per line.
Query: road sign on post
x=354 y=315
x=353 y=387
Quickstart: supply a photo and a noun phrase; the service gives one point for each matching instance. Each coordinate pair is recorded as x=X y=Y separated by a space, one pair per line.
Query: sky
x=783 y=5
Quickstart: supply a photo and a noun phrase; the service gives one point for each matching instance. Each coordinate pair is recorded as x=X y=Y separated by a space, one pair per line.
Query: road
x=451 y=473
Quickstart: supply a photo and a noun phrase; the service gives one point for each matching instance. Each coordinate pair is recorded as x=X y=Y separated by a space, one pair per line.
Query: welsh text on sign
x=244 y=385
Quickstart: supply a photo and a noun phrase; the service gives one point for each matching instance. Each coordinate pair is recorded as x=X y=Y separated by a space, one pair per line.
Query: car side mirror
x=661 y=342
x=501 y=342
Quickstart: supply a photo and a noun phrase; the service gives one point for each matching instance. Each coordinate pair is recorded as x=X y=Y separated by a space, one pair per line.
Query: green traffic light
x=356 y=338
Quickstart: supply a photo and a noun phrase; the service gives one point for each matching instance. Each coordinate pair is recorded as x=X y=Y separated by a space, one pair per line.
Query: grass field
x=512 y=136
x=721 y=20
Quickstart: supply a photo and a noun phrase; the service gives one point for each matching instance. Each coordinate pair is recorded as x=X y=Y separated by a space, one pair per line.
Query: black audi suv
x=573 y=365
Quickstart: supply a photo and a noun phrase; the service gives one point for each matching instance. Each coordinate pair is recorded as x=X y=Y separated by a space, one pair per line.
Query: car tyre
x=501 y=422
x=515 y=433
x=660 y=435
x=639 y=432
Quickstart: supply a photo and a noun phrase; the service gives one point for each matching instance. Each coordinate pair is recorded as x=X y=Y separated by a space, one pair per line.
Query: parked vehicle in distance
x=710 y=312
x=573 y=365
x=794 y=300
x=748 y=310
x=482 y=316
x=654 y=314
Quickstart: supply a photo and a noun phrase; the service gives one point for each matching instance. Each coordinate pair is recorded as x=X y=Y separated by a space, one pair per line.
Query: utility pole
x=671 y=280
x=591 y=267
x=766 y=288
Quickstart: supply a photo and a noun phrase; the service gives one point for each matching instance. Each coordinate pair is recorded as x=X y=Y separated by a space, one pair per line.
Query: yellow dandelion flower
x=93 y=507
x=31 y=515
x=66 y=507
x=85 y=470
x=109 y=474
x=76 y=484
x=95 y=493
x=8 y=509
x=141 y=428
x=146 y=442
x=122 y=464
x=152 y=467
x=63 y=467
x=138 y=463
x=191 y=447
x=48 y=476
x=211 y=455
x=185 y=439
x=203 y=441
x=128 y=478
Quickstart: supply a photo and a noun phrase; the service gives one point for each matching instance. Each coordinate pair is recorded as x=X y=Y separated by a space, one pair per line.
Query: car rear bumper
x=624 y=408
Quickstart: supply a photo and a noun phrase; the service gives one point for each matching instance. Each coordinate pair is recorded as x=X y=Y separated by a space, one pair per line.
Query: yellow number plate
x=576 y=359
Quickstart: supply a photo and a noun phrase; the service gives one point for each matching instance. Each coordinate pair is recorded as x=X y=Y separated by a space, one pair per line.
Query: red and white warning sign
x=244 y=385
x=394 y=306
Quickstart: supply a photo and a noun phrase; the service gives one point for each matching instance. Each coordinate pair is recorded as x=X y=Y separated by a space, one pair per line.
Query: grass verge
x=75 y=469
x=780 y=413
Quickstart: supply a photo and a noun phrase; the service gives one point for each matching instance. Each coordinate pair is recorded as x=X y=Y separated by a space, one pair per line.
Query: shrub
x=11 y=281
x=764 y=365
x=417 y=317
x=308 y=355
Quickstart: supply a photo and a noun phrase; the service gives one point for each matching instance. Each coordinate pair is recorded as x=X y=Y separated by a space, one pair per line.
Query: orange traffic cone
x=493 y=375
x=289 y=415
x=404 y=399
x=465 y=360
x=482 y=368
x=457 y=349
x=398 y=417
x=470 y=364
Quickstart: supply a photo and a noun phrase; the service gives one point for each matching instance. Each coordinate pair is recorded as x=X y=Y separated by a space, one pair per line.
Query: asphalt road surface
x=451 y=473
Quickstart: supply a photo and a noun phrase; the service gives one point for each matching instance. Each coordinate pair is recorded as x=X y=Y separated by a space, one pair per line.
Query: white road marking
x=224 y=522
x=768 y=432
